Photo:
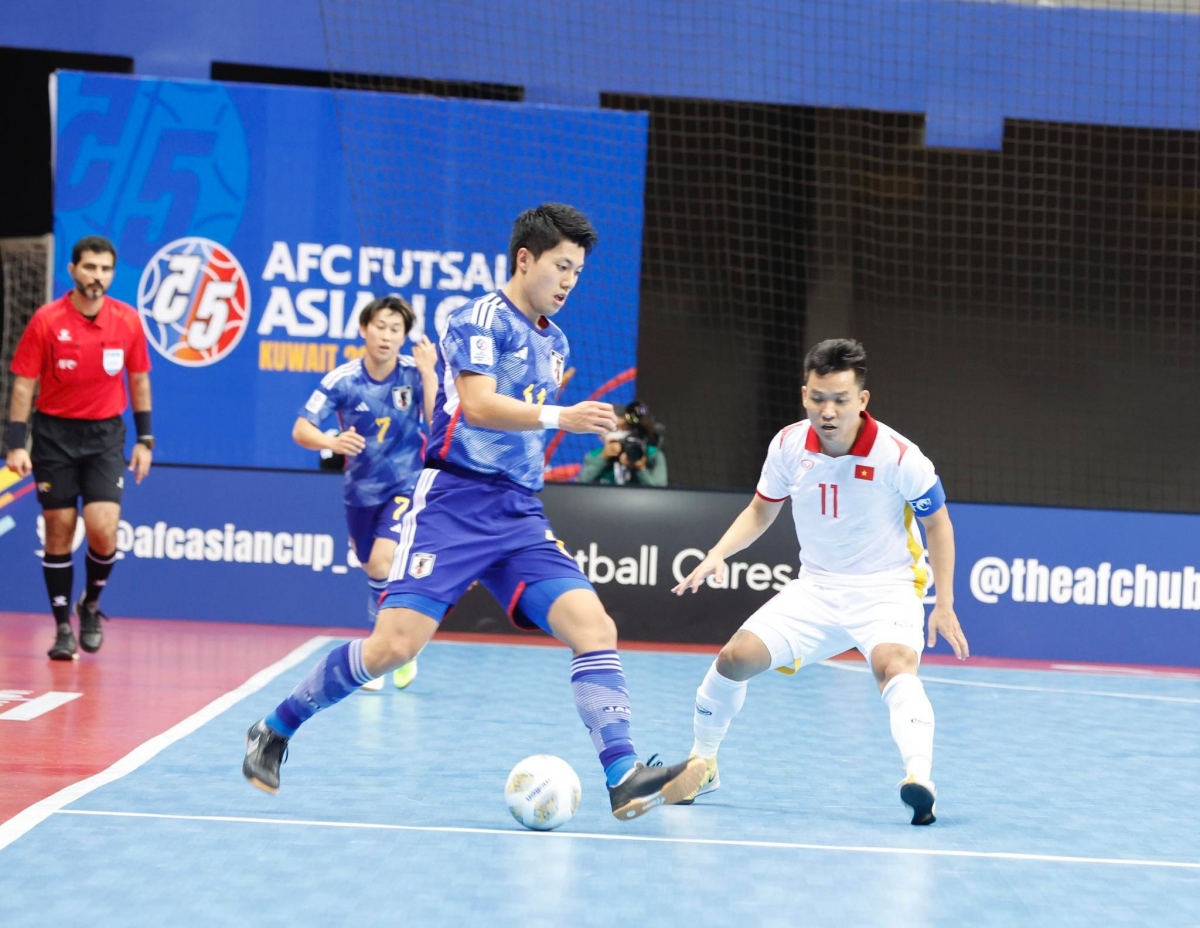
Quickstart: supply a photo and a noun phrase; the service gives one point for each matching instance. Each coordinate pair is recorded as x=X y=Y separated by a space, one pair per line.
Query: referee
x=77 y=348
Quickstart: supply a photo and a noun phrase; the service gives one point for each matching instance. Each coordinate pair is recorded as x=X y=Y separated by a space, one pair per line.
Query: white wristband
x=548 y=416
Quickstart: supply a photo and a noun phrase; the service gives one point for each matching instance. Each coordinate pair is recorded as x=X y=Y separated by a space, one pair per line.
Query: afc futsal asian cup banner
x=233 y=210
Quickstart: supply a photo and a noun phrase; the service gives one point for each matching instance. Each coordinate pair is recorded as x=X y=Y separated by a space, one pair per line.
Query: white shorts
x=808 y=621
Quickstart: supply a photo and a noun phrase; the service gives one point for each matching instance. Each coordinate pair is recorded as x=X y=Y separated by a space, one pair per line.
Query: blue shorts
x=366 y=523
x=462 y=529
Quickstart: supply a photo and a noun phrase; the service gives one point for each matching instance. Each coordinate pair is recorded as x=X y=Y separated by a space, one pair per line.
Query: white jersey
x=854 y=514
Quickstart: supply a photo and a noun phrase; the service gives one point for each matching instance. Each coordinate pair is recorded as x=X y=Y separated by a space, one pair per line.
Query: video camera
x=641 y=432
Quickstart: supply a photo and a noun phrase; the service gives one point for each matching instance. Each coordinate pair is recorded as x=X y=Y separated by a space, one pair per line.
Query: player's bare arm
x=483 y=407
x=939 y=533
x=139 y=393
x=307 y=435
x=746 y=529
x=19 y=408
x=425 y=355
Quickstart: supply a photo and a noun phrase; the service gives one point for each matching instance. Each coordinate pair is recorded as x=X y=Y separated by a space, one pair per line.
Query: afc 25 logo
x=194 y=300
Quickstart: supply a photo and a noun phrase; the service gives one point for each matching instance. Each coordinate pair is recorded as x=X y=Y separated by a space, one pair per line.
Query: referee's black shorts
x=78 y=457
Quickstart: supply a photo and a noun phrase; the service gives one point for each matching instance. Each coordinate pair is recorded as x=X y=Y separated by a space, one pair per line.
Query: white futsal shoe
x=921 y=797
x=373 y=686
x=710 y=783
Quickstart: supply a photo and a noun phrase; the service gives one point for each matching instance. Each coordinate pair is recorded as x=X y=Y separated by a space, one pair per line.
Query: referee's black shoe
x=64 y=645
x=647 y=787
x=91 y=635
x=265 y=751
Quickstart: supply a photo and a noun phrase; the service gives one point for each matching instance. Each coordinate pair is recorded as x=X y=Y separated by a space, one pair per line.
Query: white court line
x=31 y=709
x=40 y=811
x=654 y=839
x=855 y=668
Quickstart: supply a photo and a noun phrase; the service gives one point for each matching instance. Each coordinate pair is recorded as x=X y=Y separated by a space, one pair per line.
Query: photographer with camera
x=631 y=454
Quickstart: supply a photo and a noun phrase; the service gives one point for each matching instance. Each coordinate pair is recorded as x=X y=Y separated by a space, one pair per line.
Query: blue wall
x=968 y=65
x=245 y=546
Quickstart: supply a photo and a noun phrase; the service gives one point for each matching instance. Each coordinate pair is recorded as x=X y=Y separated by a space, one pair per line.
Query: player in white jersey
x=856 y=488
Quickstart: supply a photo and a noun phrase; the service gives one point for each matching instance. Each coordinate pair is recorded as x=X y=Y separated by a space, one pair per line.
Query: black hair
x=542 y=228
x=837 y=354
x=96 y=244
x=395 y=304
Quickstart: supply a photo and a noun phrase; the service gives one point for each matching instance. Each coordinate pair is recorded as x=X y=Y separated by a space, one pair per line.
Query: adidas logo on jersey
x=523 y=354
x=362 y=407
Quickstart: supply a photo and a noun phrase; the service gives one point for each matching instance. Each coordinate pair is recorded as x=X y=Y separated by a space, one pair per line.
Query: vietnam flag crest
x=862 y=472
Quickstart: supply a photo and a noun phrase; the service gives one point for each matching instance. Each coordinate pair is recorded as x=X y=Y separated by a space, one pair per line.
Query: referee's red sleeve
x=27 y=360
x=138 y=361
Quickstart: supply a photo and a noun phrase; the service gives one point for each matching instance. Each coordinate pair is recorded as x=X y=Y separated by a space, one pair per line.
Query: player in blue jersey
x=379 y=400
x=475 y=515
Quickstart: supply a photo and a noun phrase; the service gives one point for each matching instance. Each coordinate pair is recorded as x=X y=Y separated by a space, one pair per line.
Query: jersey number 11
x=833 y=487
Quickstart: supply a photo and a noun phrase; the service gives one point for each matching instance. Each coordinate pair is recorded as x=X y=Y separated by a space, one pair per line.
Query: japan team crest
x=556 y=367
x=421 y=565
x=402 y=397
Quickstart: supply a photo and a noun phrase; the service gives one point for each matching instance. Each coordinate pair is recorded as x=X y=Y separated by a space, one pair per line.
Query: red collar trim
x=862 y=444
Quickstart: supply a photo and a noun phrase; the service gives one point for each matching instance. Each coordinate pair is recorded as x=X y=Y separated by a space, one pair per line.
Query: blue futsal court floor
x=1064 y=799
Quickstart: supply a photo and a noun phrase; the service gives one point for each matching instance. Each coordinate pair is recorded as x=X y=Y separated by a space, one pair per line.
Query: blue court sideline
x=1065 y=799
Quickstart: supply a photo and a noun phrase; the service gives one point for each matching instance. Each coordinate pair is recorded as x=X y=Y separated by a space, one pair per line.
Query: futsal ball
x=542 y=792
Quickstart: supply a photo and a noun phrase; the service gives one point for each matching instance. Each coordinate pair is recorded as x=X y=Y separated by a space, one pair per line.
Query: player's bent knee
x=398 y=637
x=578 y=619
x=890 y=660
x=743 y=657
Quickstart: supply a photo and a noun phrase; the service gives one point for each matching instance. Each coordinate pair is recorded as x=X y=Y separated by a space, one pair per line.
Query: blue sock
x=603 y=703
x=332 y=680
x=375 y=590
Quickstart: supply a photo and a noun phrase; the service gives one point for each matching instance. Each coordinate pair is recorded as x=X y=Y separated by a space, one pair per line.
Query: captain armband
x=930 y=501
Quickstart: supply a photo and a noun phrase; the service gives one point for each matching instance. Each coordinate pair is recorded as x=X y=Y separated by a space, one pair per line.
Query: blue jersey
x=387 y=414
x=491 y=336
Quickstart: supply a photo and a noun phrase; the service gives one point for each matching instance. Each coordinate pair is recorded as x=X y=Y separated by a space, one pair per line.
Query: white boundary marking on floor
x=857 y=668
x=40 y=811
x=654 y=839
x=39 y=705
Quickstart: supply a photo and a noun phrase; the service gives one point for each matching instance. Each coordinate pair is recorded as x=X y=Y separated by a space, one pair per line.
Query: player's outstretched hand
x=942 y=619
x=710 y=565
x=588 y=418
x=18 y=460
x=425 y=355
x=348 y=442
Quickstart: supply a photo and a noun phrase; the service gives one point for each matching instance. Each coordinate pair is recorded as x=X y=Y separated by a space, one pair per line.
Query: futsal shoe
x=63 y=648
x=403 y=676
x=710 y=783
x=646 y=787
x=373 y=686
x=265 y=751
x=921 y=798
x=91 y=636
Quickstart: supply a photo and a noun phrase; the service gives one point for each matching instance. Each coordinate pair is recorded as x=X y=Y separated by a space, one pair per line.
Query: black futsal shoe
x=64 y=645
x=921 y=798
x=265 y=751
x=91 y=635
x=647 y=787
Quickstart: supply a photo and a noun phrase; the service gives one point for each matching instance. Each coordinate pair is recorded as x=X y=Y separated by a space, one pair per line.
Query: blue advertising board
x=233 y=212
x=243 y=546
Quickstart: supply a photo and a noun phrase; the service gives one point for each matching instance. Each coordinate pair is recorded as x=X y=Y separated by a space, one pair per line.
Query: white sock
x=718 y=700
x=912 y=723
